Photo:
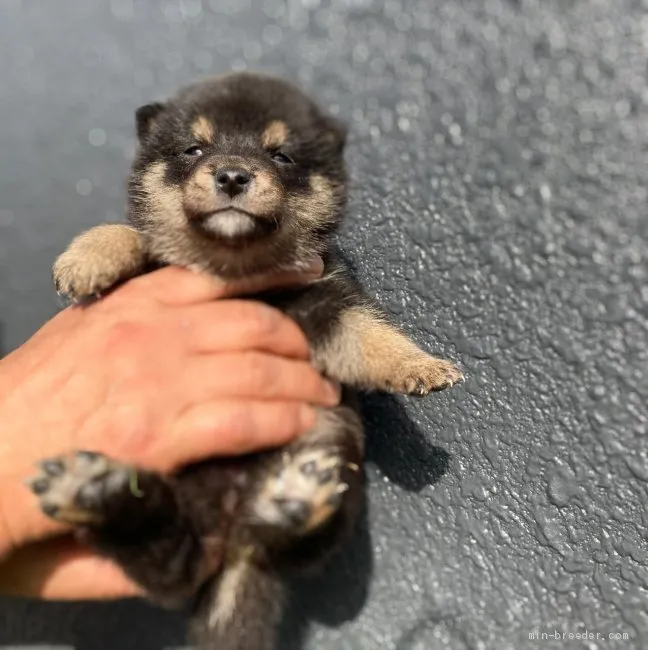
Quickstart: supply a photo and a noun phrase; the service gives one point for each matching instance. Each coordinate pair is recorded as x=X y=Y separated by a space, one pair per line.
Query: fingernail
x=333 y=392
x=307 y=417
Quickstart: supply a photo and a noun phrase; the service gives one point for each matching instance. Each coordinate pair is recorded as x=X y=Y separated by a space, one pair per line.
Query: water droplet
x=403 y=22
x=404 y=124
x=523 y=93
x=272 y=35
x=503 y=86
x=97 y=137
x=273 y=8
x=638 y=467
x=560 y=490
x=192 y=8
x=252 y=51
x=122 y=9
x=83 y=187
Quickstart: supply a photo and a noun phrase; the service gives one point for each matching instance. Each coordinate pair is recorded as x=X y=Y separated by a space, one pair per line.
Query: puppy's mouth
x=234 y=226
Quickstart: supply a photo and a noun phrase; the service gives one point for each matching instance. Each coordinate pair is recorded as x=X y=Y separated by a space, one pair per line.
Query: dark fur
x=222 y=533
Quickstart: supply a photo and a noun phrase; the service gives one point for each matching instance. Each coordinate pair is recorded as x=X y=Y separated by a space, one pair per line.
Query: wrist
x=20 y=518
x=10 y=481
x=7 y=543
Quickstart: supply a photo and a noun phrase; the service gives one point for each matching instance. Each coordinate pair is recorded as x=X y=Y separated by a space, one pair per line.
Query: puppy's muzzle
x=233 y=202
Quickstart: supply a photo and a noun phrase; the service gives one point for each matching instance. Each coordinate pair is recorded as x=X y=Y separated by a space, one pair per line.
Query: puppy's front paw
x=77 y=278
x=96 y=261
x=422 y=374
x=77 y=489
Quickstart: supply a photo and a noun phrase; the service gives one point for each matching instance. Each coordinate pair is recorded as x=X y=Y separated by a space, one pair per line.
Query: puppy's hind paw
x=304 y=492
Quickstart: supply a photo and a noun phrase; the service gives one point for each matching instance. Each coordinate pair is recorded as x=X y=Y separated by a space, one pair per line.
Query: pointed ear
x=145 y=116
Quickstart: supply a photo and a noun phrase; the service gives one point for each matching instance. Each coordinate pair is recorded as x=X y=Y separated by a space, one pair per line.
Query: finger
x=232 y=427
x=178 y=286
x=22 y=516
x=255 y=375
x=238 y=325
x=59 y=569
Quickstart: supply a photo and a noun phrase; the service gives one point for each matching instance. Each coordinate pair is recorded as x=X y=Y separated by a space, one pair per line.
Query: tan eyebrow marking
x=203 y=130
x=275 y=135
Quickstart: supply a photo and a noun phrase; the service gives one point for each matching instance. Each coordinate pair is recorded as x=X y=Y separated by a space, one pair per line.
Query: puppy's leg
x=302 y=502
x=366 y=351
x=97 y=260
x=130 y=516
x=312 y=481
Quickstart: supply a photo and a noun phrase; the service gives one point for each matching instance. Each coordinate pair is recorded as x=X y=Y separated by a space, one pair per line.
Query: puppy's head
x=237 y=175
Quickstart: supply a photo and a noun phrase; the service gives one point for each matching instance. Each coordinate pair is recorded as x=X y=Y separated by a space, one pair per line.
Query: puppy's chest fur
x=318 y=307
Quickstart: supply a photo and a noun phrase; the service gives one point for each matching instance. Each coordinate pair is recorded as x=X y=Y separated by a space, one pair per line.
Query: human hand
x=159 y=373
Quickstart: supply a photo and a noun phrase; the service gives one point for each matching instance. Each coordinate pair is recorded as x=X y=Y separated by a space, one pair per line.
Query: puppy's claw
x=423 y=374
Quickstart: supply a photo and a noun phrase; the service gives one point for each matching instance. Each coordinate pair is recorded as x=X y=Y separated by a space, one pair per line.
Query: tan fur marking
x=275 y=135
x=228 y=592
x=315 y=207
x=266 y=193
x=368 y=352
x=97 y=259
x=199 y=193
x=203 y=130
x=165 y=201
x=168 y=236
x=263 y=197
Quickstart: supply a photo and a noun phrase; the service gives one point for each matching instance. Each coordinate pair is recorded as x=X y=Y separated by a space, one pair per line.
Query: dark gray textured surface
x=499 y=152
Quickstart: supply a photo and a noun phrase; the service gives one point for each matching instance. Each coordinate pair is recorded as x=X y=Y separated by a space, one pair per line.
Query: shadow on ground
x=401 y=452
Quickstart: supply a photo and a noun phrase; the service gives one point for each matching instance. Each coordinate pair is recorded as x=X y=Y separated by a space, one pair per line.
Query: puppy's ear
x=145 y=116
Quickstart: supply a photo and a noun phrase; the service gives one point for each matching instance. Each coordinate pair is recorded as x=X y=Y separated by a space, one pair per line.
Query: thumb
x=175 y=286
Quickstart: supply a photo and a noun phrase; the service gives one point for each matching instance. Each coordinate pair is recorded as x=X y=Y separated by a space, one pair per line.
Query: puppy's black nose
x=232 y=180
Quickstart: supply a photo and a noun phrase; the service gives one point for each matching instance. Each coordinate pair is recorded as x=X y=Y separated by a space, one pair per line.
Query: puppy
x=233 y=176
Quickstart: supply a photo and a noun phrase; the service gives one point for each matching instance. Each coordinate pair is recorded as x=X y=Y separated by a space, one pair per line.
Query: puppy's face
x=237 y=175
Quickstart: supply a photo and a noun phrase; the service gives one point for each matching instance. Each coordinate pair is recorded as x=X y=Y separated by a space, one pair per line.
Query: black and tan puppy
x=237 y=175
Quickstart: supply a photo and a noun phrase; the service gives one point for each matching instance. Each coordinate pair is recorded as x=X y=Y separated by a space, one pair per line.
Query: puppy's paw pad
x=73 y=489
x=304 y=493
x=424 y=375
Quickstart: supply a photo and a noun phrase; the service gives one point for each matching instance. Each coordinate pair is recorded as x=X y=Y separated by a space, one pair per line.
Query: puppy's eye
x=282 y=158
x=194 y=151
